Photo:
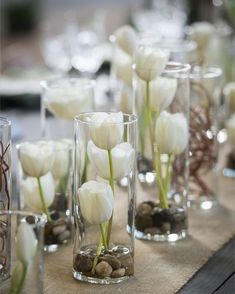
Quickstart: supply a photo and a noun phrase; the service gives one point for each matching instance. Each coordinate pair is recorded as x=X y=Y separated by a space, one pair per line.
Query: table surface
x=181 y=267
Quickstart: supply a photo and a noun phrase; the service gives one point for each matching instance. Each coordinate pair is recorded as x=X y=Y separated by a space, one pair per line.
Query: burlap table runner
x=160 y=268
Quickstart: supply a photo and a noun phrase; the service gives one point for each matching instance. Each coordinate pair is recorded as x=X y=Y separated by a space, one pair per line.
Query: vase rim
x=84 y=115
x=41 y=218
x=4 y=122
x=200 y=72
x=85 y=83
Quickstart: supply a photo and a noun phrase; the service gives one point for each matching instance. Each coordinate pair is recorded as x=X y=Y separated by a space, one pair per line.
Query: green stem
x=19 y=287
x=43 y=201
x=102 y=230
x=167 y=173
x=98 y=252
x=111 y=179
x=111 y=182
x=149 y=119
x=163 y=200
x=157 y=164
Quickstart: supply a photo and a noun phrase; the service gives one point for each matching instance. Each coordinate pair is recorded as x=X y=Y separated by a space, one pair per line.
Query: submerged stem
x=98 y=252
x=111 y=182
x=156 y=163
x=45 y=209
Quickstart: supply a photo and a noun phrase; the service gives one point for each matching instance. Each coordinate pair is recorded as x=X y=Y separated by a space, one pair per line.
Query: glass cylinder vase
x=229 y=122
x=162 y=105
x=61 y=100
x=45 y=184
x=105 y=152
x=205 y=84
x=5 y=193
x=25 y=252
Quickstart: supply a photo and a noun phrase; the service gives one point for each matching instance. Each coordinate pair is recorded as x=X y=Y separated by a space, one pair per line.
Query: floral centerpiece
x=162 y=93
x=105 y=152
x=45 y=186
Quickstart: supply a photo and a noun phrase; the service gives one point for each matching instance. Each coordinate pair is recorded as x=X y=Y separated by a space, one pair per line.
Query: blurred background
x=41 y=39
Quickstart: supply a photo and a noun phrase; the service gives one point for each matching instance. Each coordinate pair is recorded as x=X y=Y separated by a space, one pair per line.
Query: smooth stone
x=143 y=222
x=55 y=215
x=30 y=219
x=128 y=263
x=82 y=263
x=178 y=217
x=113 y=261
x=166 y=227
x=64 y=236
x=162 y=216
x=57 y=230
x=144 y=209
x=152 y=231
x=118 y=273
x=103 y=269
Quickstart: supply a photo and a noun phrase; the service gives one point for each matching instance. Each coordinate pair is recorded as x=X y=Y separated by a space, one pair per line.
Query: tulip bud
x=26 y=243
x=31 y=194
x=106 y=129
x=171 y=133
x=36 y=158
x=96 y=202
x=126 y=38
x=229 y=92
x=62 y=159
x=149 y=62
x=122 y=157
x=162 y=92
x=230 y=125
x=201 y=33
x=123 y=68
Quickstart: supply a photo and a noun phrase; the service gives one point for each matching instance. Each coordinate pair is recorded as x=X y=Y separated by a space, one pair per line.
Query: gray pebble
x=144 y=209
x=166 y=227
x=58 y=229
x=64 y=236
x=103 y=269
x=82 y=263
x=118 y=273
x=113 y=261
x=128 y=263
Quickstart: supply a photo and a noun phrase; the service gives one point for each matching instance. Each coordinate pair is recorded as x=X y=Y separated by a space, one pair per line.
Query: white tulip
x=61 y=162
x=149 y=62
x=201 y=33
x=123 y=156
x=162 y=92
x=36 y=158
x=106 y=129
x=96 y=202
x=171 y=133
x=230 y=125
x=123 y=67
x=30 y=192
x=126 y=38
x=68 y=101
x=229 y=92
x=26 y=243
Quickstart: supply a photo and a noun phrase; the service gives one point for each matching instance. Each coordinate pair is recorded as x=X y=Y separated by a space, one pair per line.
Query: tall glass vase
x=205 y=98
x=25 y=250
x=5 y=194
x=229 y=148
x=162 y=105
x=105 y=152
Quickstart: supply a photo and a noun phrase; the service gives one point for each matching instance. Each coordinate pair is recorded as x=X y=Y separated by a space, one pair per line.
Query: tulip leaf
x=18 y=278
